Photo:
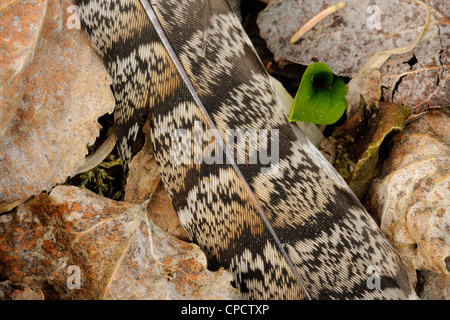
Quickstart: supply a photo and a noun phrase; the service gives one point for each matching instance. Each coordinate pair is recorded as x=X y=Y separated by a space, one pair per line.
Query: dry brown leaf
x=420 y=79
x=9 y=291
x=160 y=210
x=143 y=172
x=53 y=88
x=363 y=90
x=419 y=87
x=346 y=39
x=411 y=196
x=144 y=182
x=73 y=244
x=434 y=286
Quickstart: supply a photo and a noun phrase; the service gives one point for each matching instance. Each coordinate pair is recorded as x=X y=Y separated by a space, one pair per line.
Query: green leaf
x=320 y=99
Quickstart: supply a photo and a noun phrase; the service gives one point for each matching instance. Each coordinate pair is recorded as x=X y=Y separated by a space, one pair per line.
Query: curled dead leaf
x=411 y=195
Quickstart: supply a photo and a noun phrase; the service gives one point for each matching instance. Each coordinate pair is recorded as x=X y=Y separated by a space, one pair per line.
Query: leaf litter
x=351 y=43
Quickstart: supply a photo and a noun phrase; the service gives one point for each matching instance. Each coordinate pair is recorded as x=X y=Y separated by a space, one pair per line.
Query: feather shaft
x=166 y=43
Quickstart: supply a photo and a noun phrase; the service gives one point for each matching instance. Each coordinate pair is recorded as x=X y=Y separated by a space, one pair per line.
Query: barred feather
x=327 y=234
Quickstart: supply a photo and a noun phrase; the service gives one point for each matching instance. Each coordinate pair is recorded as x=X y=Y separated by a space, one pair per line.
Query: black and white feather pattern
x=327 y=234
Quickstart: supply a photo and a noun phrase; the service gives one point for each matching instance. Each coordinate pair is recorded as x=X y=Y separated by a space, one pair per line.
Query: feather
x=221 y=144
x=286 y=225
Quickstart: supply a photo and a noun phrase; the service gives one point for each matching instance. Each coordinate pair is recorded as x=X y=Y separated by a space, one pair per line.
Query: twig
x=315 y=20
